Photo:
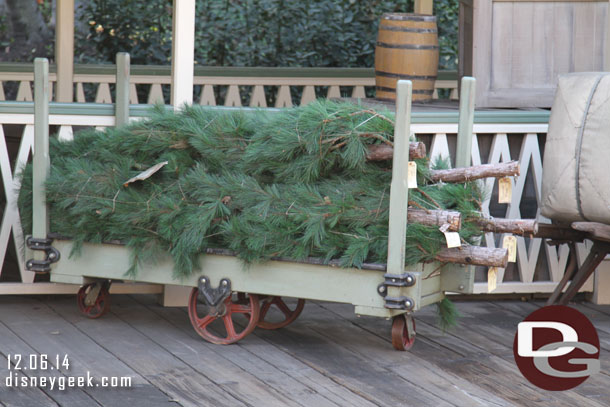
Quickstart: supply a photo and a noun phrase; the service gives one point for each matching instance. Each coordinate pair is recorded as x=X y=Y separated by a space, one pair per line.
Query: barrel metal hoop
x=407 y=46
x=405 y=76
x=408 y=29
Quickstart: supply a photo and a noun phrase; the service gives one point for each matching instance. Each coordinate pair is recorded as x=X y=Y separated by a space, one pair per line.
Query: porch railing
x=228 y=86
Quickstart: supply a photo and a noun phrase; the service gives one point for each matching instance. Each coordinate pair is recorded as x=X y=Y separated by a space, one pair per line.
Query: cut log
x=435 y=218
x=476 y=172
x=521 y=227
x=597 y=231
x=559 y=233
x=475 y=255
x=381 y=152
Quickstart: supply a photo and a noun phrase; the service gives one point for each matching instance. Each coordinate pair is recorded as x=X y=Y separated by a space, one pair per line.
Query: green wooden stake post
x=122 y=89
x=399 y=193
x=464 y=140
x=41 y=160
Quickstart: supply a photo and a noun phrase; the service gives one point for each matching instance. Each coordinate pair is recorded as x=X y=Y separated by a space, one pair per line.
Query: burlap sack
x=576 y=177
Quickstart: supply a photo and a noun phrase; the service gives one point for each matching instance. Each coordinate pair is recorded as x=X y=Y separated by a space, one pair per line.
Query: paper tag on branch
x=510 y=244
x=505 y=190
x=492 y=279
x=146 y=174
x=412 y=174
x=452 y=238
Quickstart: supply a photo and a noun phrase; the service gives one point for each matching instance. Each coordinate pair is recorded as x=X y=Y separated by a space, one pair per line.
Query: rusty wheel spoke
x=231 y=334
x=240 y=308
x=282 y=306
x=205 y=321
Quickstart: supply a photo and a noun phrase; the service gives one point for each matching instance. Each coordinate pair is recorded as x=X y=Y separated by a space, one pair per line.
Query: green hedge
x=317 y=33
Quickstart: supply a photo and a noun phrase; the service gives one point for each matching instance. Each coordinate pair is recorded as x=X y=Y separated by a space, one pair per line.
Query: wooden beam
x=424 y=7
x=64 y=51
x=183 y=52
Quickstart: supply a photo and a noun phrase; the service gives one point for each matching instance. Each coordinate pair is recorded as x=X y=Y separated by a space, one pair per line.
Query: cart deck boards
x=328 y=357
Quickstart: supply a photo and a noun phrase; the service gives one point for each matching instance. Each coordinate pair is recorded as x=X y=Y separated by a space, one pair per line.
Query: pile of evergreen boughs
x=292 y=184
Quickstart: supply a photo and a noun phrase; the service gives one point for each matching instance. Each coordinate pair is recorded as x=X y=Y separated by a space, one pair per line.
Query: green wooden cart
x=224 y=288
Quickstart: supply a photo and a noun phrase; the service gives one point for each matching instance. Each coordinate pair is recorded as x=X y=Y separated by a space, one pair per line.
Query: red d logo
x=556 y=348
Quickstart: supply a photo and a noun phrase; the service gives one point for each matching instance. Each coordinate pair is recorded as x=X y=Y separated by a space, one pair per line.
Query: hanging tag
x=452 y=238
x=412 y=174
x=492 y=279
x=510 y=243
x=505 y=190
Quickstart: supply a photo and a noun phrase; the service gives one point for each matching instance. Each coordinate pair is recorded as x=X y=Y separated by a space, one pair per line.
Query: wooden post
x=122 y=89
x=607 y=50
x=398 y=189
x=183 y=52
x=464 y=140
x=41 y=161
x=64 y=51
x=424 y=7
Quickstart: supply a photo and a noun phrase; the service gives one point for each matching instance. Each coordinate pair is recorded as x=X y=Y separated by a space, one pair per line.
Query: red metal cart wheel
x=288 y=314
x=403 y=332
x=203 y=317
x=96 y=308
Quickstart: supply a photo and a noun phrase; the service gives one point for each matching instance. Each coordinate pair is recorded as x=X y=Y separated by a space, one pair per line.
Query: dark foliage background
x=316 y=33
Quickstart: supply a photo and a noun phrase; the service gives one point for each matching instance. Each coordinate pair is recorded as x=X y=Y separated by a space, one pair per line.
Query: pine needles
x=291 y=184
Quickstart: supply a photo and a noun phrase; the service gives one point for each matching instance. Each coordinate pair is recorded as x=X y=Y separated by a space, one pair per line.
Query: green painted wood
x=299 y=280
x=122 y=89
x=142 y=110
x=41 y=161
x=265 y=72
x=398 y=189
x=466 y=119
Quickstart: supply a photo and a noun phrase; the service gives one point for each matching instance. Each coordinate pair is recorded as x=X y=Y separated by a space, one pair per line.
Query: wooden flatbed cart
x=224 y=288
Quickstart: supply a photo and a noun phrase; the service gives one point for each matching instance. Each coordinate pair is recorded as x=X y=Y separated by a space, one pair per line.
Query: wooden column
x=607 y=50
x=424 y=7
x=183 y=52
x=64 y=51
x=183 y=57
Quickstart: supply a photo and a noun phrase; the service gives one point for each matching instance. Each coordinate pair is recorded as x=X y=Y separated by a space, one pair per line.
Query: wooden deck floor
x=328 y=357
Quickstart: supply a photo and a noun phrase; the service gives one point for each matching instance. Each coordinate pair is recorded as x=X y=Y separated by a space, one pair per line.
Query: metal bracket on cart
x=52 y=255
x=397 y=280
x=403 y=303
x=213 y=296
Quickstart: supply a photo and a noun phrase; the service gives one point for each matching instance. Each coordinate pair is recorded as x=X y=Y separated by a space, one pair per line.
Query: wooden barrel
x=407 y=48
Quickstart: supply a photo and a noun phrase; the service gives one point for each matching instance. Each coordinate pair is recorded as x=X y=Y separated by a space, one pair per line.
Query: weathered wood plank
x=203 y=356
x=281 y=363
x=491 y=325
x=501 y=57
x=412 y=366
x=46 y=331
x=15 y=345
x=161 y=369
x=476 y=358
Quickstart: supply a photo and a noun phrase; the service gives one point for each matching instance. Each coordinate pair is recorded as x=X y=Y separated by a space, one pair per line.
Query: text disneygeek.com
x=25 y=371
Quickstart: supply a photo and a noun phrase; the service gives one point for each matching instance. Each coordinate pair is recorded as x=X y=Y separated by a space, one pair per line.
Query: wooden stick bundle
x=475 y=255
x=466 y=174
x=522 y=227
x=381 y=152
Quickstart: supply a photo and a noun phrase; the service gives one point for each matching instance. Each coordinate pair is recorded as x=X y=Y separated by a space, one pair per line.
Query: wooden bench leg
x=567 y=276
x=595 y=257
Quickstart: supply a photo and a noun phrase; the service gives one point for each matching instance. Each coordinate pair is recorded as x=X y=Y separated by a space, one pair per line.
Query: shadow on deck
x=328 y=357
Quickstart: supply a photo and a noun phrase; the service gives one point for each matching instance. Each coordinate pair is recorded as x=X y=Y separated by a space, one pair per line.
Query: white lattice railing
x=539 y=266
x=228 y=86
